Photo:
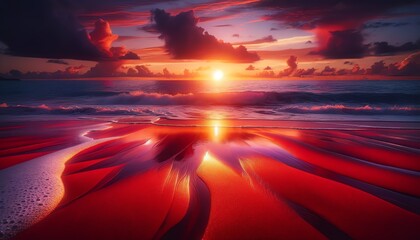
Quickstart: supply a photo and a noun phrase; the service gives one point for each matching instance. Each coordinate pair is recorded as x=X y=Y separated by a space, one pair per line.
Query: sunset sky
x=191 y=39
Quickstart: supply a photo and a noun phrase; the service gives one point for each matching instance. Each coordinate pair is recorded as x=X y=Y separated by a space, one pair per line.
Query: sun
x=217 y=75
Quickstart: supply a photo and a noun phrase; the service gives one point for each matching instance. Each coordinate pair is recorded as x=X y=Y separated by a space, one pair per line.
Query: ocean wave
x=342 y=109
x=254 y=98
x=198 y=112
x=88 y=110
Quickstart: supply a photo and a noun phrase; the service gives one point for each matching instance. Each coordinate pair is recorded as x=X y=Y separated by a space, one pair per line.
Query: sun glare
x=217 y=75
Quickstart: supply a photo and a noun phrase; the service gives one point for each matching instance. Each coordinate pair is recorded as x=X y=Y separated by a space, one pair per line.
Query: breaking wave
x=179 y=112
x=342 y=109
x=253 y=98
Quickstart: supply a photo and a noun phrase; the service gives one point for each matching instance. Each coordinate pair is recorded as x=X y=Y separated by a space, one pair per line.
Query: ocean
x=179 y=153
x=379 y=100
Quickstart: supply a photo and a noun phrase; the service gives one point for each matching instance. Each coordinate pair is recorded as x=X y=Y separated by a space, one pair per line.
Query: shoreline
x=200 y=170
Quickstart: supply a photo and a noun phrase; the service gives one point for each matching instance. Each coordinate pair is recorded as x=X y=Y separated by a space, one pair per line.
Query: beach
x=209 y=120
x=168 y=178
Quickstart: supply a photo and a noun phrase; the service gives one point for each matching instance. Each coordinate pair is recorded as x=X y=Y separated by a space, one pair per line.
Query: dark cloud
x=378 y=68
x=167 y=73
x=15 y=73
x=308 y=14
x=348 y=63
x=304 y=72
x=292 y=62
x=130 y=55
x=328 y=71
x=410 y=66
x=375 y=25
x=58 y=61
x=45 y=28
x=273 y=29
x=384 y=48
x=50 y=29
x=250 y=68
x=235 y=35
x=106 y=69
x=332 y=21
x=268 y=68
x=69 y=72
x=266 y=74
x=345 y=44
x=185 y=40
x=308 y=42
x=266 y=39
x=143 y=71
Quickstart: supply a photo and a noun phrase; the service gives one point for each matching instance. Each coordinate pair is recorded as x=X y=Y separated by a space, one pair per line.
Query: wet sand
x=210 y=179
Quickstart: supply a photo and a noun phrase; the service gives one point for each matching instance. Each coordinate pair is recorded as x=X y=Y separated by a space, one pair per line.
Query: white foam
x=31 y=190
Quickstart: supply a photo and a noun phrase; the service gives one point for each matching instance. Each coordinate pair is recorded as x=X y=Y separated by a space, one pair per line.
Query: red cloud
x=102 y=37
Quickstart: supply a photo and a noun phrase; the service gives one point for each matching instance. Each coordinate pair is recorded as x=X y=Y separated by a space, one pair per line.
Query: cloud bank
x=50 y=29
x=337 y=24
x=185 y=40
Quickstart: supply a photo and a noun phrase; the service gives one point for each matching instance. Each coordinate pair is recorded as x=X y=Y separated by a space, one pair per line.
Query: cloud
x=384 y=48
x=375 y=25
x=308 y=14
x=266 y=39
x=328 y=71
x=75 y=69
x=106 y=69
x=268 y=68
x=235 y=35
x=48 y=29
x=410 y=65
x=58 y=61
x=292 y=63
x=274 y=29
x=185 y=40
x=266 y=74
x=130 y=55
x=69 y=72
x=344 y=44
x=57 y=34
x=331 y=20
x=250 y=68
x=304 y=72
x=378 y=68
x=102 y=37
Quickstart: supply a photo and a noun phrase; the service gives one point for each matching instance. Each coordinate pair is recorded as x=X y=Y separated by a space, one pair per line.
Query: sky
x=248 y=39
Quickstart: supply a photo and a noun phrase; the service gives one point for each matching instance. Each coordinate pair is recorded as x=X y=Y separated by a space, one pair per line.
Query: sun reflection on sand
x=190 y=170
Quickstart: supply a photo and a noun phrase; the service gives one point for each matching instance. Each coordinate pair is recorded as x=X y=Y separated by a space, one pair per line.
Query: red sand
x=218 y=182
